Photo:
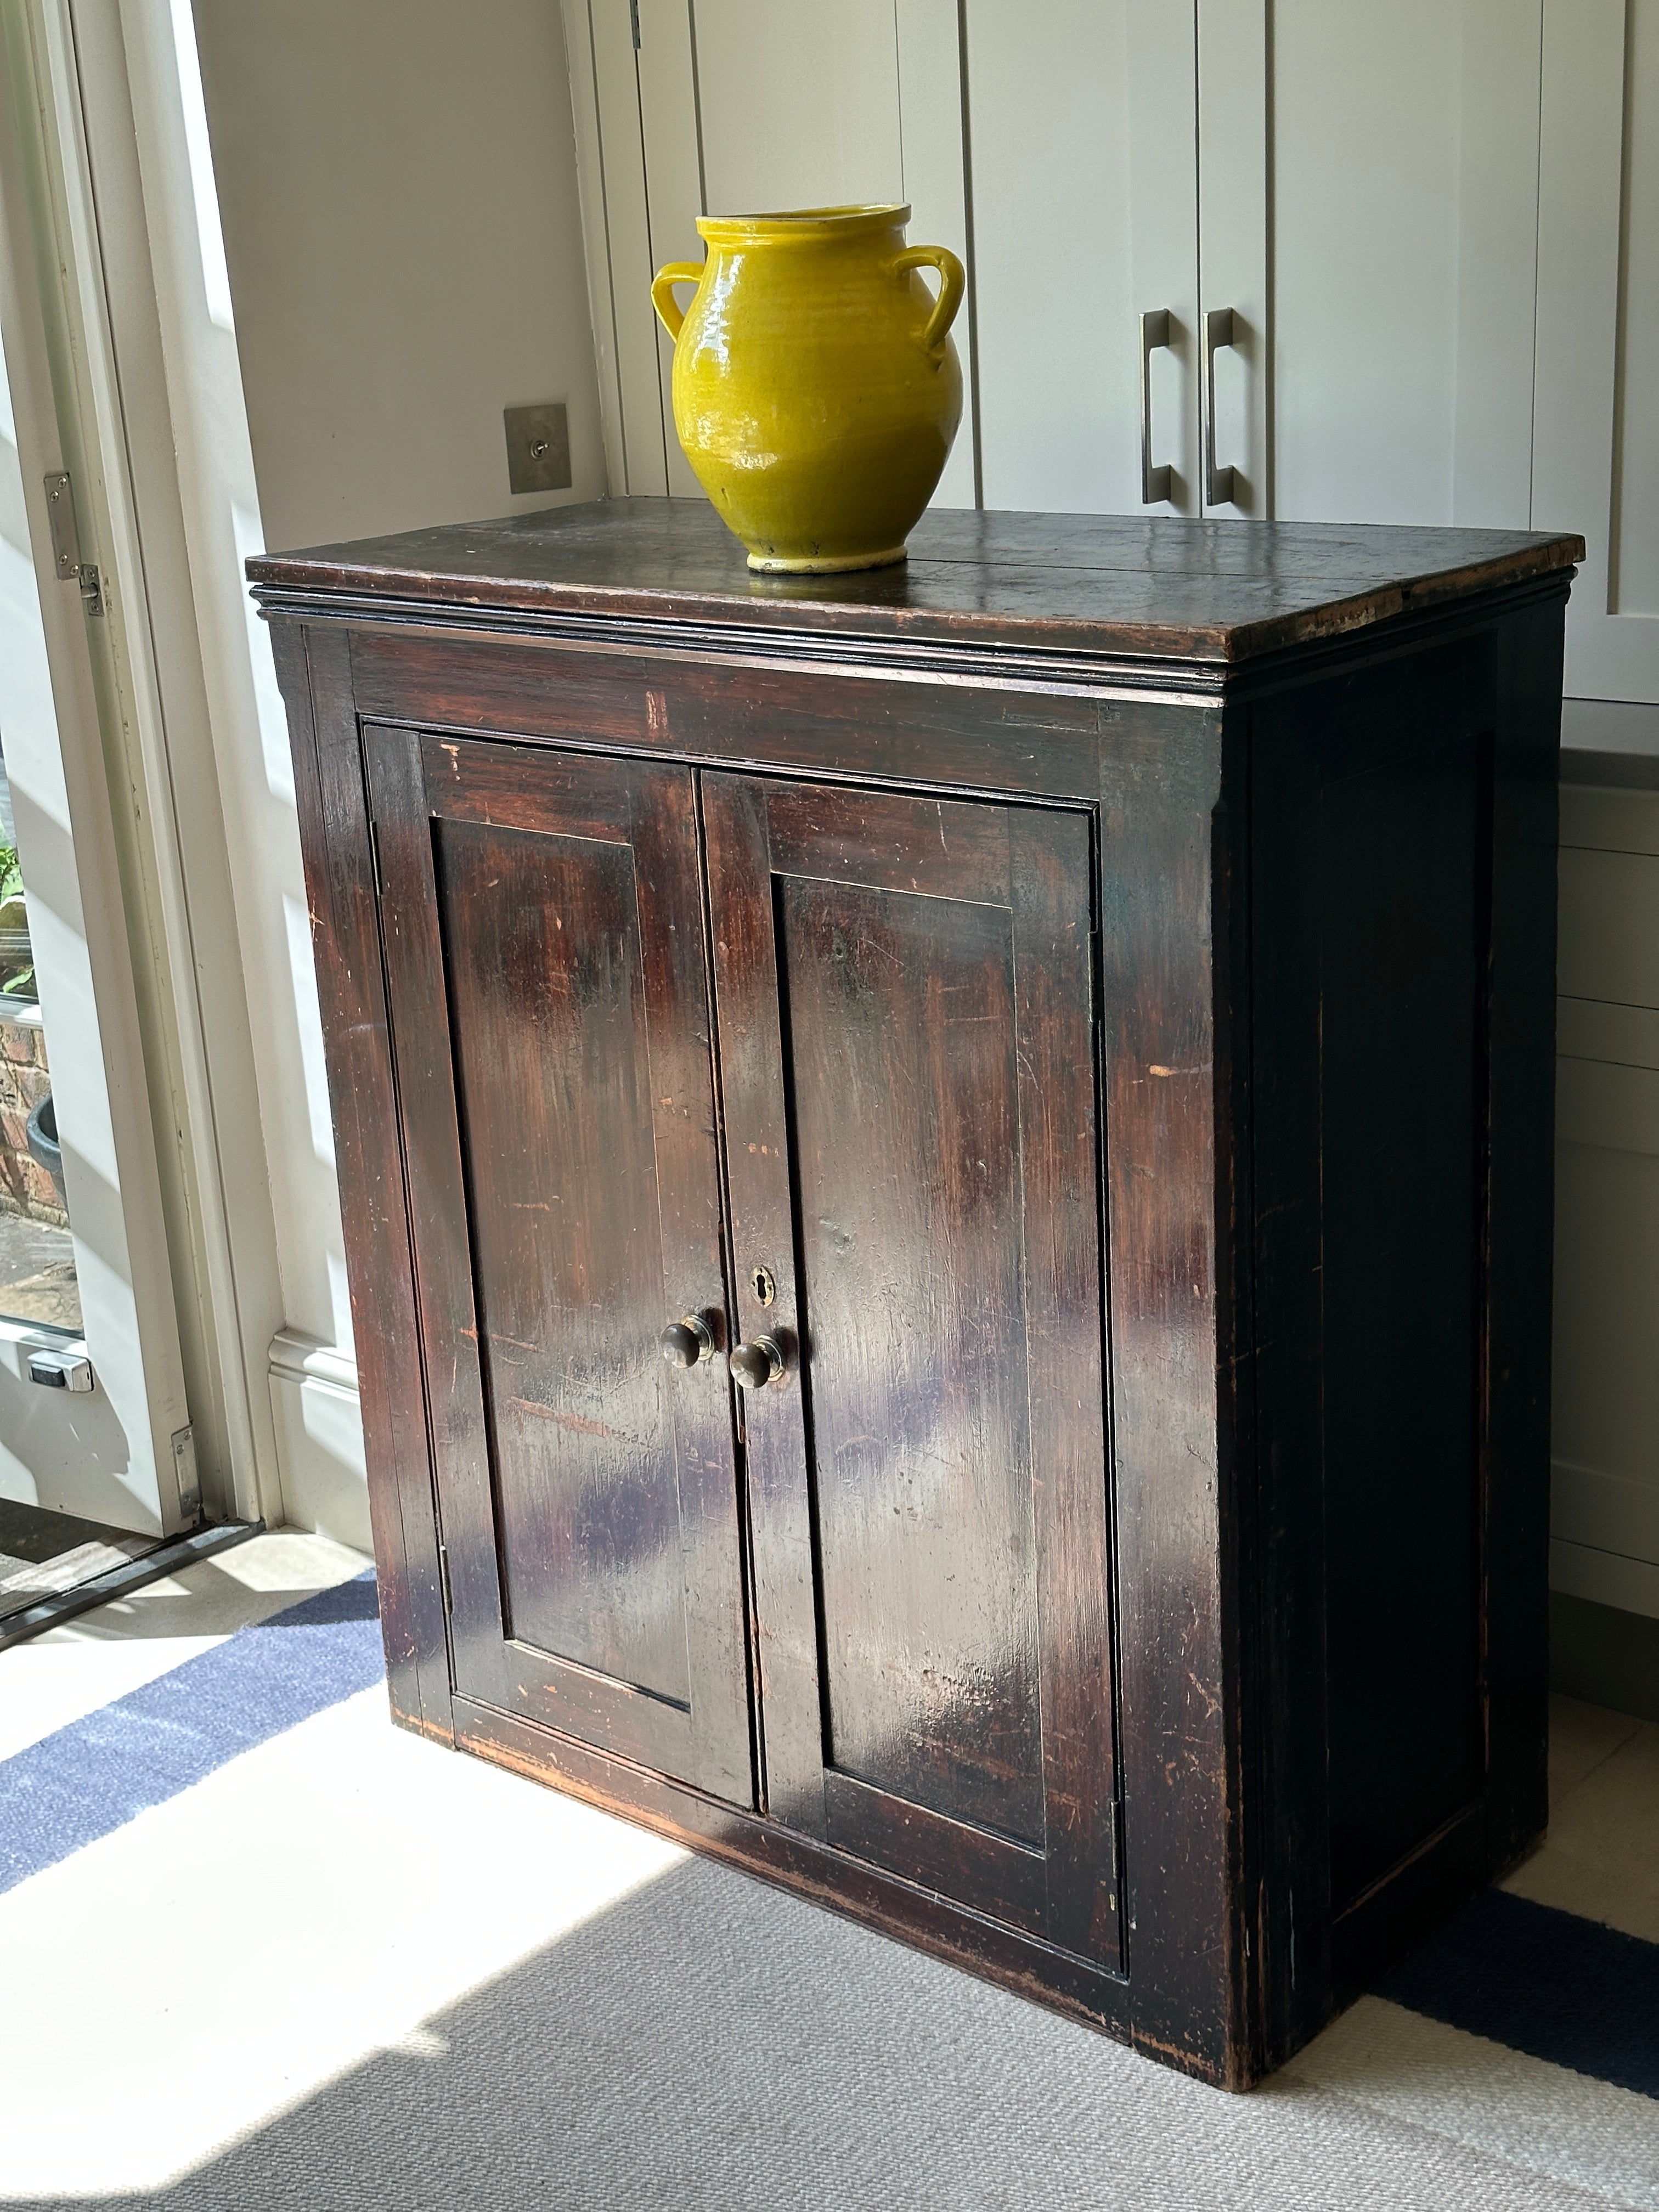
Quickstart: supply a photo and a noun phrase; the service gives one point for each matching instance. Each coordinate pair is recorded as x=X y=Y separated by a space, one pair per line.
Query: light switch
x=538 y=447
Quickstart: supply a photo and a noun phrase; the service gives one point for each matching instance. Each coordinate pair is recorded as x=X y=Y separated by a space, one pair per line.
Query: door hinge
x=634 y=21
x=375 y=857
x=183 y=1468
x=1115 y=1847
x=443 y=1578
x=66 y=542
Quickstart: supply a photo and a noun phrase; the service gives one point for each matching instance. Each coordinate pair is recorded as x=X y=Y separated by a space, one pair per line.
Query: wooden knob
x=758 y=1364
x=685 y=1341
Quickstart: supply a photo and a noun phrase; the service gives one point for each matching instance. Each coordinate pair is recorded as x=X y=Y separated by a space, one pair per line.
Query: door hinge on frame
x=66 y=542
x=375 y=857
x=443 y=1579
x=183 y=1468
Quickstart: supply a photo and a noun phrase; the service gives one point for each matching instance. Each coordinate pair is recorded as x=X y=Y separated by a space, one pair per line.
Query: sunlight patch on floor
x=376 y=1881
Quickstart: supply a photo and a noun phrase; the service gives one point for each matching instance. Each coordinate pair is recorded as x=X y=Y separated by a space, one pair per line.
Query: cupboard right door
x=907 y=1038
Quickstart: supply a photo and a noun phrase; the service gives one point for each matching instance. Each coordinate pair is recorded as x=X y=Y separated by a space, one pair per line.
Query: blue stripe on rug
x=87 y=1779
x=1579 y=1994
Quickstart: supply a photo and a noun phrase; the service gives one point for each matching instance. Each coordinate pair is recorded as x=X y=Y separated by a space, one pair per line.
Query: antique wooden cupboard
x=947 y=1185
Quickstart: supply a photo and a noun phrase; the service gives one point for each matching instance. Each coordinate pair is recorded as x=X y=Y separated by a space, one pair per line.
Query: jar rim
x=792 y=226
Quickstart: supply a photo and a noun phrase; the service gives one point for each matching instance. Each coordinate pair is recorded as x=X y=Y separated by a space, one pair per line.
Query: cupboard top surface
x=1161 y=588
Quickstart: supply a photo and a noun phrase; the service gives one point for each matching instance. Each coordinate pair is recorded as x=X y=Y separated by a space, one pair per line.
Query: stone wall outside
x=25 y=1185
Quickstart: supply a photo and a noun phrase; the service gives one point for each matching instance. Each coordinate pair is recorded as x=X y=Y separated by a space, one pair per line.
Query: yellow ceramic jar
x=816 y=387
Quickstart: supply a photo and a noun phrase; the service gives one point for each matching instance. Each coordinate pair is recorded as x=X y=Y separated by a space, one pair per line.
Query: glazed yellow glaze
x=817 y=390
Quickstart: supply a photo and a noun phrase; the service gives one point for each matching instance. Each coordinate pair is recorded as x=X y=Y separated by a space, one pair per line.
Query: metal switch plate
x=537 y=447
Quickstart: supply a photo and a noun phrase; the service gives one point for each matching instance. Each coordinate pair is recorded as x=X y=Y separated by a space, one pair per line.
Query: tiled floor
x=346 y=1969
x=1602 y=1857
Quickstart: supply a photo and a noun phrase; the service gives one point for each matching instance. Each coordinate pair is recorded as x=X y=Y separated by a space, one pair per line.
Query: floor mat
x=397 y=1977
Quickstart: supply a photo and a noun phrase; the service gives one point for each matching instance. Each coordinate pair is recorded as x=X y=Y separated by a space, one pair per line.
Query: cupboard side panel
x=1520 y=1224
x=314 y=669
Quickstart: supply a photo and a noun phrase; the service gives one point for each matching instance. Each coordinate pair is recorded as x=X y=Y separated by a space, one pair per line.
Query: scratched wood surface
x=929 y=1505
x=1122 y=1089
x=1164 y=587
x=549 y=998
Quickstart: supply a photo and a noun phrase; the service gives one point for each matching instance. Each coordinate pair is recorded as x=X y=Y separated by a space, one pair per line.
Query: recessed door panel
x=907 y=1134
x=908 y=1052
x=543 y=921
x=547 y=1012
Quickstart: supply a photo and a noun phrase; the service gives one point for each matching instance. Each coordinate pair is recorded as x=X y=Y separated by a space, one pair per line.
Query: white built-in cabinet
x=1413 y=250
x=1321 y=259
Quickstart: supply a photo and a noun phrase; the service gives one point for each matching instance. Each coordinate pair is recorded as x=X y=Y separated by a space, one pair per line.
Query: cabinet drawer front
x=541 y=918
x=904 y=1002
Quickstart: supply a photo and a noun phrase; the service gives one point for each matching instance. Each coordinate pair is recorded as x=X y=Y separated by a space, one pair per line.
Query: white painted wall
x=397 y=187
x=395 y=183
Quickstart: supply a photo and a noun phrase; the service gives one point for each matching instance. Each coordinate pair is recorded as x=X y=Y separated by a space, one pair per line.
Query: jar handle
x=670 y=313
x=951 y=285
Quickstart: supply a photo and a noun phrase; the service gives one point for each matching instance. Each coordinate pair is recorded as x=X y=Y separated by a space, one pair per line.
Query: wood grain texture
x=544 y=940
x=1163 y=587
x=314 y=671
x=929 y=1503
x=1518 y=1229
x=1173 y=1360
x=1131 y=1077
x=1370 y=929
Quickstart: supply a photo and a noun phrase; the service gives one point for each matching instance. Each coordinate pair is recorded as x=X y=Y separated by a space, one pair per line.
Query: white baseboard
x=1604 y=1577
x=1613 y=1513
x=319 y=1439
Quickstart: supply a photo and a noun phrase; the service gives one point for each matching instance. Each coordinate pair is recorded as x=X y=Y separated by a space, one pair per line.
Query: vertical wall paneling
x=800 y=103
x=667 y=65
x=937 y=155
x=745 y=105
x=1594 y=435
x=1636 y=481
x=1605 y=1427
x=1081 y=127
x=1403 y=267
x=1162 y=88
x=590 y=176
x=1235 y=228
x=1497 y=253
x=627 y=228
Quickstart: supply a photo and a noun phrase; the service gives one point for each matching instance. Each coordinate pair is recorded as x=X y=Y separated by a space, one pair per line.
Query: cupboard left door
x=542 y=918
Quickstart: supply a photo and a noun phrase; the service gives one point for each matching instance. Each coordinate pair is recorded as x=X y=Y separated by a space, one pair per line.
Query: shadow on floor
x=710 y=2045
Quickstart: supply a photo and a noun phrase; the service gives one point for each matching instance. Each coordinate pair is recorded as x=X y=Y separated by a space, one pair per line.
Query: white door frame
x=169 y=1114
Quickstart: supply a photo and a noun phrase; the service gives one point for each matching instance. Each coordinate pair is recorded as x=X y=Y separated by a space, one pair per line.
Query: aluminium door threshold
x=166 y=1557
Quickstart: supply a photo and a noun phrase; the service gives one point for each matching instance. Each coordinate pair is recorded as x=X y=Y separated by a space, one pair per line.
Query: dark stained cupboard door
x=542 y=916
x=905 y=1015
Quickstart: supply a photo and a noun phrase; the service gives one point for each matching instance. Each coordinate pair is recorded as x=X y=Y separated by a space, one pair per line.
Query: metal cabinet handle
x=1219 y=484
x=1154 y=332
x=758 y=1364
